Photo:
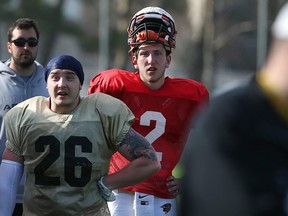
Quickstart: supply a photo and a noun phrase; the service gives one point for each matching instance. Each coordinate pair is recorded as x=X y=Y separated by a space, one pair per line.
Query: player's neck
x=63 y=109
x=154 y=84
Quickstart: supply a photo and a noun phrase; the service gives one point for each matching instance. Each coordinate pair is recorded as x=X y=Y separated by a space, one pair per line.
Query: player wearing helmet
x=163 y=107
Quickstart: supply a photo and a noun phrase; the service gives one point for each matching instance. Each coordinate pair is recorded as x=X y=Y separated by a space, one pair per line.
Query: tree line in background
x=211 y=34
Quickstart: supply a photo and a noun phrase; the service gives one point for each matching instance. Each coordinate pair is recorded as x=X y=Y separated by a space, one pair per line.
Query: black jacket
x=237 y=159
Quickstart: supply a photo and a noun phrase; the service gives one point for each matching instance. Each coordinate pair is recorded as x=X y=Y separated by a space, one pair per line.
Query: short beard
x=24 y=64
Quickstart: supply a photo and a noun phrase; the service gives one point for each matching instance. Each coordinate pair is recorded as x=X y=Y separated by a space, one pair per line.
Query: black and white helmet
x=152 y=24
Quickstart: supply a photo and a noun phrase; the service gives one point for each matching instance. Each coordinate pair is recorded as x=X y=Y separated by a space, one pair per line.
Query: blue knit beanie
x=65 y=62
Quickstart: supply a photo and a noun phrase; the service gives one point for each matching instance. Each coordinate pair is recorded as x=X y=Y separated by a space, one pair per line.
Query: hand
x=173 y=185
x=105 y=192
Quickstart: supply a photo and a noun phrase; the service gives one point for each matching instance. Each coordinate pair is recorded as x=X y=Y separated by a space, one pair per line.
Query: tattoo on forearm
x=138 y=146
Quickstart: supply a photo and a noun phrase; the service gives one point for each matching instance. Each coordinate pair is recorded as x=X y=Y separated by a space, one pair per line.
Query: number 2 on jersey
x=159 y=129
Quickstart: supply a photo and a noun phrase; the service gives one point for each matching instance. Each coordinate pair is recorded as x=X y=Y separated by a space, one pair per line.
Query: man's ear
x=168 y=61
x=9 y=47
x=133 y=59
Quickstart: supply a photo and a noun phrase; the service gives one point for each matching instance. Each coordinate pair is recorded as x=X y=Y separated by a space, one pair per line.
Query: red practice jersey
x=163 y=117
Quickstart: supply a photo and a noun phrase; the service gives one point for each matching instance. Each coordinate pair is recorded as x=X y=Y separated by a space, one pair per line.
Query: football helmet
x=152 y=24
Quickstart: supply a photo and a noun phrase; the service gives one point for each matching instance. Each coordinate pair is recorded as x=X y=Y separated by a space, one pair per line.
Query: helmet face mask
x=150 y=25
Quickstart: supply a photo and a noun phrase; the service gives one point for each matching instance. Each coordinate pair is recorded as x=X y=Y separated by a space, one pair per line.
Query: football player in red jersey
x=163 y=107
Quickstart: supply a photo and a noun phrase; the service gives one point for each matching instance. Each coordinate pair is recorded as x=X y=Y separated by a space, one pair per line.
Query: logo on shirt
x=166 y=207
x=142 y=196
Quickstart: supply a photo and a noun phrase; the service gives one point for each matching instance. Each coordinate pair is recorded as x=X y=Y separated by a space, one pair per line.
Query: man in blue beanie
x=66 y=143
x=65 y=62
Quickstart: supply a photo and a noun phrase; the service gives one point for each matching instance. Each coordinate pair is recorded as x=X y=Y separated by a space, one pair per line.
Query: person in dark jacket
x=237 y=162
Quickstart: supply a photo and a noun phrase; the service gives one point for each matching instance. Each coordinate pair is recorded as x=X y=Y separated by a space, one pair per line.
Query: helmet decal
x=152 y=24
